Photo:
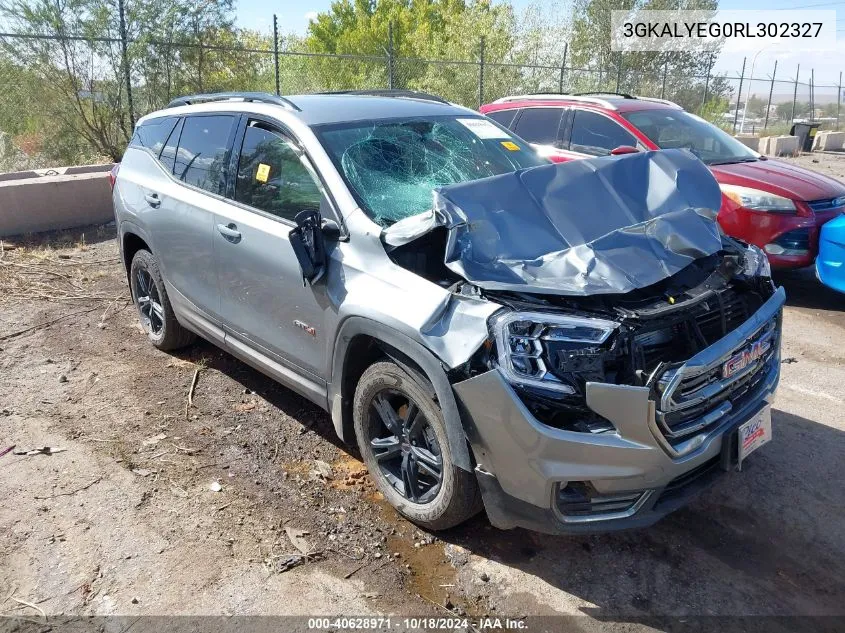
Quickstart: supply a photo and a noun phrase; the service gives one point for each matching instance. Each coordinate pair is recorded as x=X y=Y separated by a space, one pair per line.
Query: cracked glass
x=392 y=166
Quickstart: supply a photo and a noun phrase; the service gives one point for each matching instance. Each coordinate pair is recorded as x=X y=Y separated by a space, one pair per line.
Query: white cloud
x=311 y=15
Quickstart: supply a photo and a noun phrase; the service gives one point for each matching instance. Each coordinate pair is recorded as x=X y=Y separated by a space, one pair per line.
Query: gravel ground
x=150 y=506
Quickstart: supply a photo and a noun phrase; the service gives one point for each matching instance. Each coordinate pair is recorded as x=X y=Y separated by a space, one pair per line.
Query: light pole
x=750 y=80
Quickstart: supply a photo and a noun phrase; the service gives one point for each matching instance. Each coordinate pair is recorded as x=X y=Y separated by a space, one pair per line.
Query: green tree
x=422 y=30
x=652 y=73
x=174 y=49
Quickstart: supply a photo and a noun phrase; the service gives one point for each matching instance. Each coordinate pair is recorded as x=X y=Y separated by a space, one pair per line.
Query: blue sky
x=293 y=16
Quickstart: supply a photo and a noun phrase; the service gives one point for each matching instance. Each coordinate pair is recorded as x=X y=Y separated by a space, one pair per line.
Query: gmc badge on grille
x=743 y=359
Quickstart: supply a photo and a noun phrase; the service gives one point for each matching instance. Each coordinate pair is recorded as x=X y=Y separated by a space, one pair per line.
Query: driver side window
x=271 y=176
x=597 y=135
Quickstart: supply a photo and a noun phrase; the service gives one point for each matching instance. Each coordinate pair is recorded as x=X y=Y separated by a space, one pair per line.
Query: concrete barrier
x=752 y=142
x=779 y=145
x=33 y=203
x=829 y=141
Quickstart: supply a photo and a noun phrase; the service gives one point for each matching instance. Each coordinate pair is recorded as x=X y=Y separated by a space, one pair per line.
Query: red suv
x=774 y=204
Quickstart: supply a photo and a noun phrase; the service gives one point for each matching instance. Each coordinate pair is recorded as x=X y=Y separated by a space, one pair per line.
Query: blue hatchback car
x=830 y=264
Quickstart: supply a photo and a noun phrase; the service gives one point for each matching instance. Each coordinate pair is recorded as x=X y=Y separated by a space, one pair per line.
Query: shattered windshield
x=392 y=166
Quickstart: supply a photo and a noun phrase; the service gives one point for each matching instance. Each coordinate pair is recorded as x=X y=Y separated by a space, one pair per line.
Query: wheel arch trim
x=128 y=227
x=424 y=359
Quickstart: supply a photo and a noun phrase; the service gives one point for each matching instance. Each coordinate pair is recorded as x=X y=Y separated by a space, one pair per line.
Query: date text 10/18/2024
x=417 y=623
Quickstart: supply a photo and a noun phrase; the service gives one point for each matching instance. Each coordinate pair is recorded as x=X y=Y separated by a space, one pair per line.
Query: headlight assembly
x=522 y=340
x=757 y=199
x=756 y=262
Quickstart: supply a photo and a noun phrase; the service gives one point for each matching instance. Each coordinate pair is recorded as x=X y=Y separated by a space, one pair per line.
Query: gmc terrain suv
x=573 y=347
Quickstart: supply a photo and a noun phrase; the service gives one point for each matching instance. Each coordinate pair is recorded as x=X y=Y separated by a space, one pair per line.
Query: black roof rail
x=387 y=92
x=257 y=97
x=599 y=93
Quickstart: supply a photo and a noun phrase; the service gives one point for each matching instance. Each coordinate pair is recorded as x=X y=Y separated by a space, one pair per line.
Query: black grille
x=695 y=329
x=579 y=499
x=827 y=204
x=684 y=484
x=796 y=240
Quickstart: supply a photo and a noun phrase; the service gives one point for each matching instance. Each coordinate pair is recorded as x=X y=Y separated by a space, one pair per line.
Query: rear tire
x=408 y=456
x=153 y=305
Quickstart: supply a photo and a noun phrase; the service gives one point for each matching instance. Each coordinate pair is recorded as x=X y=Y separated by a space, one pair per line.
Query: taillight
x=113 y=175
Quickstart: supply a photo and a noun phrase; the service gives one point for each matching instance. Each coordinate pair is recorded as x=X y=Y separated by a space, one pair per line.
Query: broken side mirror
x=308 y=245
x=623 y=149
x=331 y=230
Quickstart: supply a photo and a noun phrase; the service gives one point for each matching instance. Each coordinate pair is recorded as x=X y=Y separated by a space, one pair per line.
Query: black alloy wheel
x=149 y=302
x=405 y=446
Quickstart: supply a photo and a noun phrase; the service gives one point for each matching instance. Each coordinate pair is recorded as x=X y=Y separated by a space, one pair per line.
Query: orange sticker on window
x=510 y=145
x=263 y=173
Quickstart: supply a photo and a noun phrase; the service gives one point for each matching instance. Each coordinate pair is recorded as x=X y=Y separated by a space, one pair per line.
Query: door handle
x=230 y=232
x=153 y=200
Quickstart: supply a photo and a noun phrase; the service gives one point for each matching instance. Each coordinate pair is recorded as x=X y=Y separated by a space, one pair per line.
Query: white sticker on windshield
x=483 y=128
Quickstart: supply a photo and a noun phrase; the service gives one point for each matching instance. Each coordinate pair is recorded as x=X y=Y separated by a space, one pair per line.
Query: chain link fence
x=87 y=91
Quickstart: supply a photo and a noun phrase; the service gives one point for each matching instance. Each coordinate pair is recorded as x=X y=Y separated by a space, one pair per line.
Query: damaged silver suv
x=573 y=347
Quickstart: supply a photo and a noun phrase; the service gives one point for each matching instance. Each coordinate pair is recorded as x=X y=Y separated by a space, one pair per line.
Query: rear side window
x=597 y=135
x=168 y=153
x=539 y=125
x=272 y=178
x=153 y=134
x=204 y=151
x=504 y=117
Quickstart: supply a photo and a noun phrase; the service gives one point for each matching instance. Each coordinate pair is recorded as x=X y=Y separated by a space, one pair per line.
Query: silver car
x=572 y=347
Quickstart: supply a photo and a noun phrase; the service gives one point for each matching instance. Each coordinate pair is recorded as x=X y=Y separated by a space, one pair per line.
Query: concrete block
x=18 y=175
x=47 y=203
x=779 y=145
x=829 y=141
x=752 y=142
x=88 y=169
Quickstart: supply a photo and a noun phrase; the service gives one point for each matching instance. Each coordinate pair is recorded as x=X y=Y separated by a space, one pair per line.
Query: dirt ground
x=145 y=505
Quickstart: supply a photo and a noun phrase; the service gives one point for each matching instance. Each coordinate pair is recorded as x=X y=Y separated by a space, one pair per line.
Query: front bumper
x=526 y=468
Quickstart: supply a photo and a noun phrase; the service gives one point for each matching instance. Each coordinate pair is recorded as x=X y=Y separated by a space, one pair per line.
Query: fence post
x=812 y=94
x=794 y=95
x=663 y=86
x=276 y=51
x=125 y=63
x=481 y=72
x=618 y=70
x=707 y=81
x=769 y=103
x=838 y=100
x=563 y=67
x=739 y=93
x=390 y=55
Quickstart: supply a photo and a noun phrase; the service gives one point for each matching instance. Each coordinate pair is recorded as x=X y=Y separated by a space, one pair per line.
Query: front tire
x=402 y=437
x=153 y=305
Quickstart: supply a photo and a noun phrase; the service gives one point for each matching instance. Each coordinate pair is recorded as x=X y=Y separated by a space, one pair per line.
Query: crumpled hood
x=597 y=226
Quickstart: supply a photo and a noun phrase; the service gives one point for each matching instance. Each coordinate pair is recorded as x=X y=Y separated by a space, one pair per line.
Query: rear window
x=153 y=134
x=168 y=153
x=203 y=153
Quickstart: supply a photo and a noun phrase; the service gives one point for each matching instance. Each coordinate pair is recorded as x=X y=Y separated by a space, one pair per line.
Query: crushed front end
x=634 y=344
x=608 y=412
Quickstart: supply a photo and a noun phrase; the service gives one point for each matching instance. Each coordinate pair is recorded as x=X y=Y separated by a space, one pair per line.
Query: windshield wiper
x=731 y=161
